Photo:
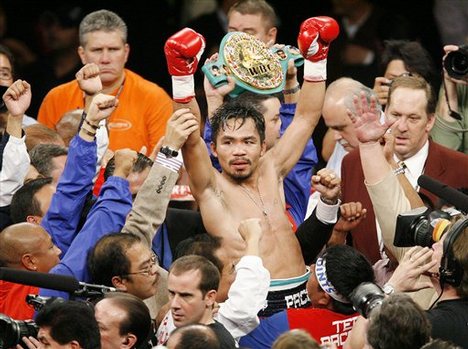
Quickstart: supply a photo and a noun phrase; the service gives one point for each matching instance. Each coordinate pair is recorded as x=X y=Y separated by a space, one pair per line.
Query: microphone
x=449 y=194
x=57 y=282
x=38 y=279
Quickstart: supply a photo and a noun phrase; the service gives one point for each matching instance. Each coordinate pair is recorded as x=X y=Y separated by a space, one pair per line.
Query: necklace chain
x=249 y=195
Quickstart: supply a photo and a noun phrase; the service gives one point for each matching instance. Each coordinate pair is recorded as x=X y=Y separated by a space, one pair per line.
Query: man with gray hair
x=136 y=122
x=339 y=99
x=49 y=160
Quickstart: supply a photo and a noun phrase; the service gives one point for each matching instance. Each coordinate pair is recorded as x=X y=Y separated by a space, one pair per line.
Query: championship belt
x=252 y=65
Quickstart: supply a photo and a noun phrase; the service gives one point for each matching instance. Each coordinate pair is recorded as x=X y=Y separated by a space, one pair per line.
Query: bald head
x=338 y=99
x=193 y=336
x=343 y=86
x=27 y=246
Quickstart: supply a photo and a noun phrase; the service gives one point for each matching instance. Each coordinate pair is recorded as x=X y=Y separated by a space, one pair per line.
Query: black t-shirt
x=449 y=320
x=225 y=339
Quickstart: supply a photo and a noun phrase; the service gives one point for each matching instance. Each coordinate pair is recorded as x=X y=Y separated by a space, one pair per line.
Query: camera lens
x=456 y=63
x=366 y=297
x=423 y=233
x=13 y=330
x=460 y=64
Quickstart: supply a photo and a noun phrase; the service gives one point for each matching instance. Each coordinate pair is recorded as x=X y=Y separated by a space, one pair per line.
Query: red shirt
x=324 y=325
x=13 y=300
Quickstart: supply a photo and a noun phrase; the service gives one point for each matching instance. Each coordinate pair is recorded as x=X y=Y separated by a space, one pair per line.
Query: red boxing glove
x=183 y=51
x=315 y=35
x=313 y=41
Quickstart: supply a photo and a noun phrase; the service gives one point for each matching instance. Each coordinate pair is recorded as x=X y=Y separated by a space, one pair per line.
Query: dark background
x=150 y=23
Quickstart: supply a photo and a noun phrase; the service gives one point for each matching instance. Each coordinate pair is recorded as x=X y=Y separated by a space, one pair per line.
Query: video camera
x=421 y=227
x=456 y=63
x=12 y=331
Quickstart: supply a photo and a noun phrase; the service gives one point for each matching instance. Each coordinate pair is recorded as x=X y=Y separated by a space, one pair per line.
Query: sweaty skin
x=260 y=196
x=250 y=184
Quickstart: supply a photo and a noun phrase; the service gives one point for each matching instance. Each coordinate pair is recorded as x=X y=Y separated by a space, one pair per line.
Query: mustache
x=231 y=162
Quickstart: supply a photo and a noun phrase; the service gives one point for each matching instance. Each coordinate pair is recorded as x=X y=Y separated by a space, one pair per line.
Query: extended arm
x=314 y=38
x=149 y=209
x=351 y=215
x=183 y=50
x=90 y=83
x=107 y=216
x=61 y=220
x=315 y=231
x=297 y=183
x=215 y=96
x=387 y=195
x=313 y=235
x=416 y=262
x=15 y=161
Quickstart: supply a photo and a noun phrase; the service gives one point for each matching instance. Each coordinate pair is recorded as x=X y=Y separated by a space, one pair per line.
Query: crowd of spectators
x=279 y=203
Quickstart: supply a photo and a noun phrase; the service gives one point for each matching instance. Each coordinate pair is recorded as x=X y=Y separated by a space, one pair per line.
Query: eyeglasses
x=5 y=74
x=149 y=270
x=402 y=74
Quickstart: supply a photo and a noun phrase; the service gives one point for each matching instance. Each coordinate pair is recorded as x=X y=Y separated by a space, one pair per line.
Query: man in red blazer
x=411 y=104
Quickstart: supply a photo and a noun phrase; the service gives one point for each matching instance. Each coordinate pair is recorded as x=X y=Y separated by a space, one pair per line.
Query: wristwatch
x=388 y=289
x=168 y=152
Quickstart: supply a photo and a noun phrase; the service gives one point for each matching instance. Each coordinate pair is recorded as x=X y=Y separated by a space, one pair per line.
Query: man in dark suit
x=411 y=104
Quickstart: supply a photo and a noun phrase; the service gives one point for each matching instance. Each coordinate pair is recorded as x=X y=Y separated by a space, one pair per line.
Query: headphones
x=451 y=272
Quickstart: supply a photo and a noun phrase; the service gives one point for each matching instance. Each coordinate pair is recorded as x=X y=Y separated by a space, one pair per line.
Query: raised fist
x=315 y=35
x=101 y=107
x=18 y=97
x=183 y=51
x=88 y=79
x=328 y=184
x=124 y=161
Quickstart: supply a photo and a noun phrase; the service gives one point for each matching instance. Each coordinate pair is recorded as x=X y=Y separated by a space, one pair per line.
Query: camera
x=13 y=330
x=456 y=63
x=366 y=297
x=420 y=227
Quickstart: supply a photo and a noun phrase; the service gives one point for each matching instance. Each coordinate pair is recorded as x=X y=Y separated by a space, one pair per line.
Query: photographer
x=447 y=266
x=451 y=124
x=449 y=276
x=403 y=58
x=395 y=321
x=65 y=325
x=384 y=177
